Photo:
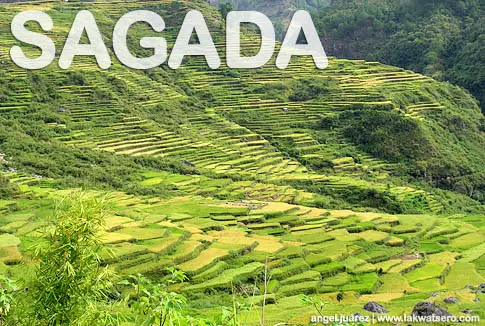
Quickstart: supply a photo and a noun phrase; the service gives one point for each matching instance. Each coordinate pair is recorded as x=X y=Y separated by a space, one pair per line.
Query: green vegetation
x=7 y=287
x=359 y=182
x=68 y=277
x=442 y=39
x=152 y=304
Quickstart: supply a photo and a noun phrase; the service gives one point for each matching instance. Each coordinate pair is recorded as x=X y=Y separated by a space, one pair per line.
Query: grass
x=376 y=253
x=115 y=237
x=387 y=265
x=161 y=244
x=473 y=253
x=468 y=241
x=381 y=297
x=427 y=271
x=267 y=244
x=294 y=266
x=8 y=240
x=229 y=277
x=330 y=269
x=204 y=224
x=445 y=257
x=116 y=221
x=203 y=260
x=344 y=235
x=211 y=272
x=428 y=285
x=153 y=268
x=186 y=251
x=12 y=226
x=310 y=238
x=405 y=265
x=317 y=259
x=291 y=251
x=363 y=283
x=395 y=283
x=302 y=277
x=373 y=236
x=430 y=247
x=352 y=263
x=217 y=260
x=122 y=250
x=455 y=280
x=334 y=249
x=10 y=255
x=144 y=233
x=337 y=280
x=302 y=287
x=302 y=273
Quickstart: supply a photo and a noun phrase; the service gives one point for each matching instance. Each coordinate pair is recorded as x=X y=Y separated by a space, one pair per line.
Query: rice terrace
x=358 y=183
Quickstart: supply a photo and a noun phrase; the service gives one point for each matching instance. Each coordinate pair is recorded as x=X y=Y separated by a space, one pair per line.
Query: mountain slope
x=441 y=39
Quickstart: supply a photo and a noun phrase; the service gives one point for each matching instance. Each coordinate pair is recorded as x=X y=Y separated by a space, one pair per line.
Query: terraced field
x=270 y=181
x=396 y=260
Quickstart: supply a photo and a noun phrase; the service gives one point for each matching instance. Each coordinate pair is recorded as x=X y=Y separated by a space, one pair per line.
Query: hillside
x=442 y=39
x=362 y=178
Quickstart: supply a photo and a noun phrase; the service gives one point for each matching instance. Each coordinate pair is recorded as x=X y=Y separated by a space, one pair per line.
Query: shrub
x=380 y=133
x=7 y=189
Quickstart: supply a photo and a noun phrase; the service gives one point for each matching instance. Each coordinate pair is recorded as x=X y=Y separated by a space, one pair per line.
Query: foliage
x=443 y=39
x=316 y=301
x=308 y=89
x=7 y=287
x=232 y=316
x=7 y=189
x=225 y=8
x=152 y=304
x=69 y=280
x=381 y=133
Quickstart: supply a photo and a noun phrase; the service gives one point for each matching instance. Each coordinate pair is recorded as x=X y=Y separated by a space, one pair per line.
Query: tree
x=225 y=8
x=70 y=283
x=7 y=189
x=340 y=296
